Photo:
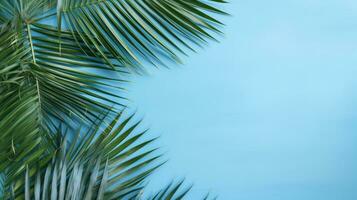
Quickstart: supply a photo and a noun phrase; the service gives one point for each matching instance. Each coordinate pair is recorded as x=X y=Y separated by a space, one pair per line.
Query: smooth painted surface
x=270 y=112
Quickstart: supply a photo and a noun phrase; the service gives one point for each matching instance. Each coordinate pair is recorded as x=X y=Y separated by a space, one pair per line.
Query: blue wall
x=270 y=112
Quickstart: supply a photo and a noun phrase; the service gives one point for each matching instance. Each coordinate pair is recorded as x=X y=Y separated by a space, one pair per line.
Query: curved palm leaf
x=171 y=191
x=135 y=30
x=109 y=163
x=175 y=191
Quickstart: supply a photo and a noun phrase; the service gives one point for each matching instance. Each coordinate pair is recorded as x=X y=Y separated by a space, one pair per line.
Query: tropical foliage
x=62 y=65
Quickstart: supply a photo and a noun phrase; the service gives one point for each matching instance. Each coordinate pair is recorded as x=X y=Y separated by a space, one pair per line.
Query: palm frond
x=68 y=83
x=109 y=163
x=21 y=137
x=175 y=191
x=171 y=191
x=72 y=81
x=136 y=30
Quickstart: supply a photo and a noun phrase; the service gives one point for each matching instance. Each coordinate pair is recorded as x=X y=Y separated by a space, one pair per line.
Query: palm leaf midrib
x=39 y=111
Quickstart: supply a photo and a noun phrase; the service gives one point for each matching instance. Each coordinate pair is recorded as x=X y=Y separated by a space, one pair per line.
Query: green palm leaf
x=136 y=30
x=171 y=191
x=102 y=163
x=175 y=191
x=67 y=81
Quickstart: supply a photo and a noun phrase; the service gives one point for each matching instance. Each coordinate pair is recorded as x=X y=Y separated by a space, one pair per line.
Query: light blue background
x=268 y=113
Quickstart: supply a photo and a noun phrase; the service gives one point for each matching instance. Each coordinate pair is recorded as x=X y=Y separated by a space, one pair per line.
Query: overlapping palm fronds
x=66 y=82
x=71 y=72
x=41 y=88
